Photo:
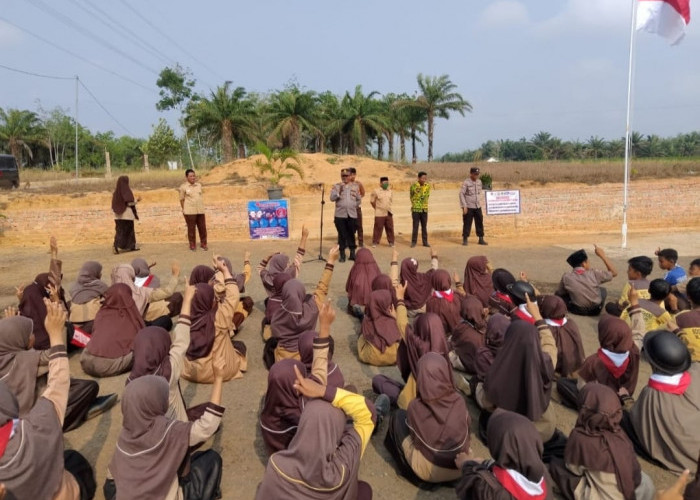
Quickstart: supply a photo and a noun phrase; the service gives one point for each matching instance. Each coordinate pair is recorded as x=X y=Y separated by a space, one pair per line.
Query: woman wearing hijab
x=109 y=351
x=516 y=471
x=565 y=332
x=419 y=284
x=245 y=303
x=443 y=301
x=158 y=305
x=124 y=208
x=359 y=283
x=383 y=282
x=468 y=336
x=478 y=279
x=33 y=464
x=306 y=351
x=298 y=311
x=426 y=439
x=212 y=320
x=151 y=449
x=382 y=328
x=528 y=350
x=22 y=368
x=142 y=270
x=155 y=353
x=500 y=301
x=600 y=461
x=277 y=262
x=273 y=303
x=323 y=459
x=86 y=295
x=495 y=334
x=615 y=364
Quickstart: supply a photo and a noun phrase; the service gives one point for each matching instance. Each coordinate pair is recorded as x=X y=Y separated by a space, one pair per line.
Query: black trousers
x=81 y=395
x=422 y=219
x=346 y=232
x=124 y=234
x=476 y=215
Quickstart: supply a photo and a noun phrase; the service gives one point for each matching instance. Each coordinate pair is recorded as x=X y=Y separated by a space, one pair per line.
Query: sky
x=525 y=66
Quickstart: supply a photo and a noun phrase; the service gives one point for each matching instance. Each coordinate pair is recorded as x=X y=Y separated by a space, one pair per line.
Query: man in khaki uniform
x=381 y=199
x=192 y=205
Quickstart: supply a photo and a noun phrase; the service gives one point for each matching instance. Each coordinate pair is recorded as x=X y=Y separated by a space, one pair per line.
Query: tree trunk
x=241 y=150
x=402 y=147
x=431 y=120
x=380 y=147
x=16 y=151
x=227 y=141
x=413 y=144
x=390 y=140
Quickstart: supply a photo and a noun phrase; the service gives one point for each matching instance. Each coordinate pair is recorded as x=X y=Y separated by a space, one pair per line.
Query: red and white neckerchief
x=556 y=322
x=504 y=297
x=141 y=282
x=579 y=270
x=672 y=384
x=615 y=362
x=522 y=313
x=448 y=294
x=6 y=433
x=519 y=486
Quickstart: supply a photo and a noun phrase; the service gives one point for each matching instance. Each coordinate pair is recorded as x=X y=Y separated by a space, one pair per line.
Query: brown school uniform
x=583 y=286
x=689 y=324
x=654 y=315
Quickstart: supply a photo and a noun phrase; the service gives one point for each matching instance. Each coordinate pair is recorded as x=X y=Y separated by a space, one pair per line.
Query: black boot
x=481 y=241
x=464 y=242
x=352 y=254
x=342 y=256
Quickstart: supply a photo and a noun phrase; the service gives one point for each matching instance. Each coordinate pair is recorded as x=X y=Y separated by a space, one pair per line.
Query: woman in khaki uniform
x=192 y=205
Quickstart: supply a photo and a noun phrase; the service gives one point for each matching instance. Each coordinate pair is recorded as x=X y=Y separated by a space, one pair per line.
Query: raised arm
x=166 y=291
x=547 y=343
x=322 y=287
x=394 y=267
x=59 y=373
x=319 y=365
x=206 y=425
x=608 y=264
x=401 y=311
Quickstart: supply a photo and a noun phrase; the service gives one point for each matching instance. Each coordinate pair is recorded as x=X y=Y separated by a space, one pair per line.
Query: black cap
x=666 y=353
x=518 y=290
x=382 y=179
x=474 y=170
x=577 y=258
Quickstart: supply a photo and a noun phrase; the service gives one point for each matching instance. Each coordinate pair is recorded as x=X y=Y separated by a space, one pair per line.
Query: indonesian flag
x=667 y=18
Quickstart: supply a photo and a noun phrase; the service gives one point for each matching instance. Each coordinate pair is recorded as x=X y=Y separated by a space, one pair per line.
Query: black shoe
x=426 y=244
x=413 y=244
x=115 y=250
x=482 y=242
x=342 y=256
x=101 y=405
x=352 y=254
x=382 y=405
x=464 y=242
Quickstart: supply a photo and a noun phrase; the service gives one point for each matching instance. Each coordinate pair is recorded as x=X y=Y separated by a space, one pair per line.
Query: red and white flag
x=667 y=18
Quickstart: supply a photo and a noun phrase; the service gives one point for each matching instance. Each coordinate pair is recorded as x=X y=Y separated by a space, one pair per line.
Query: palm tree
x=290 y=113
x=225 y=116
x=437 y=99
x=19 y=128
x=278 y=165
x=362 y=117
x=409 y=123
x=596 y=146
x=330 y=122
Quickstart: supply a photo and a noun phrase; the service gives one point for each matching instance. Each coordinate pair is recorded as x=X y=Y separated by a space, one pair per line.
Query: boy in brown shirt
x=580 y=288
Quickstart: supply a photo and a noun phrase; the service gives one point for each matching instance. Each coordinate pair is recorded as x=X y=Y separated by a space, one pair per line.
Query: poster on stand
x=502 y=202
x=268 y=219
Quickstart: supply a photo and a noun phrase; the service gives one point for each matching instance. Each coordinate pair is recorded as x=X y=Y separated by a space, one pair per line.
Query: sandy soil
x=239 y=440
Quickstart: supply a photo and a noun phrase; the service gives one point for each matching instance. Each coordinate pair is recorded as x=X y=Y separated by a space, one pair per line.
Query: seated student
x=419 y=284
x=615 y=364
x=359 y=283
x=277 y=262
x=384 y=282
x=33 y=464
x=688 y=322
x=518 y=293
x=693 y=272
x=246 y=303
x=599 y=460
x=323 y=459
x=383 y=326
x=516 y=471
x=425 y=439
x=109 y=351
x=638 y=268
x=653 y=312
x=151 y=447
x=496 y=327
x=528 y=350
x=469 y=335
x=500 y=301
x=142 y=270
x=156 y=306
x=668 y=261
x=566 y=335
x=306 y=351
x=273 y=303
x=156 y=353
x=298 y=311
x=426 y=335
x=282 y=404
x=211 y=322
x=444 y=301
x=23 y=369
x=478 y=279
x=580 y=288
x=86 y=295
x=664 y=421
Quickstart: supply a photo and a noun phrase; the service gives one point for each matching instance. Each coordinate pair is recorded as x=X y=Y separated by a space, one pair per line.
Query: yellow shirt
x=191 y=195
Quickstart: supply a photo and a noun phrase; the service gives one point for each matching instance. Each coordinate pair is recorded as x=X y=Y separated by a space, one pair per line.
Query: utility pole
x=76 y=127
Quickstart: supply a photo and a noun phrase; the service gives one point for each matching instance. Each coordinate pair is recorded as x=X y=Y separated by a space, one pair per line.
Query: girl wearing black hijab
x=124 y=208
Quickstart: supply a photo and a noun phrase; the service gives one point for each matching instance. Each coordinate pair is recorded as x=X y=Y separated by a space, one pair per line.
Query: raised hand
x=54 y=322
x=633 y=296
x=326 y=317
x=395 y=255
x=307 y=387
x=675 y=492
x=532 y=307
x=175 y=268
x=334 y=254
x=400 y=290
x=11 y=311
x=246 y=256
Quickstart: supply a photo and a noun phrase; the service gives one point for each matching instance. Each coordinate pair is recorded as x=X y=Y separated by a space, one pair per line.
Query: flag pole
x=628 y=130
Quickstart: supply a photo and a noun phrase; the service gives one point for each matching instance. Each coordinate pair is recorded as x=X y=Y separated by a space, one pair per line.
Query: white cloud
x=587 y=15
x=504 y=13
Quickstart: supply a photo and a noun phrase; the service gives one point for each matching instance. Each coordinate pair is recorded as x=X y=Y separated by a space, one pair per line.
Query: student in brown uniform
x=124 y=208
x=468 y=336
x=33 y=464
x=444 y=301
x=638 y=268
x=496 y=328
x=192 y=205
x=144 y=277
x=381 y=330
x=477 y=278
x=580 y=288
x=86 y=295
x=654 y=313
x=566 y=334
x=688 y=322
x=277 y=263
x=500 y=301
x=419 y=285
x=359 y=283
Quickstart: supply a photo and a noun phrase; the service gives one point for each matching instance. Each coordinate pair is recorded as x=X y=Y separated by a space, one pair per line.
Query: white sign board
x=502 y=202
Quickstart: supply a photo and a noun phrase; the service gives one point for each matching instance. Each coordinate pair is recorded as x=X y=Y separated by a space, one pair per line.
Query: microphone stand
x=320 y=244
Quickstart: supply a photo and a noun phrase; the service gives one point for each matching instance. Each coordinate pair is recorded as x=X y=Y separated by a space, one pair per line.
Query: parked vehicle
x=9 y=173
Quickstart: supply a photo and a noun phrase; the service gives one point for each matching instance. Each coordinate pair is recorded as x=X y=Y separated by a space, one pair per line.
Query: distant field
x=588 y=172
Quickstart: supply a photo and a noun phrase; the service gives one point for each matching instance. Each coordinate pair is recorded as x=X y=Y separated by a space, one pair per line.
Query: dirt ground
x=239 y=440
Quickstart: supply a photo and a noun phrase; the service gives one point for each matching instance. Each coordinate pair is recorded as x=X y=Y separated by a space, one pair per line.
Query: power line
x=77 y=56
x=103 y=108
x=87 y=33
x=37 y=74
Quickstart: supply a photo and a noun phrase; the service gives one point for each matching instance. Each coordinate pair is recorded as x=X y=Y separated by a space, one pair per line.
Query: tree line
x=544 y=146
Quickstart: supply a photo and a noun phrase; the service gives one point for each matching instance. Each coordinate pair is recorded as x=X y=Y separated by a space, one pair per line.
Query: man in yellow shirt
x=420 y=192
